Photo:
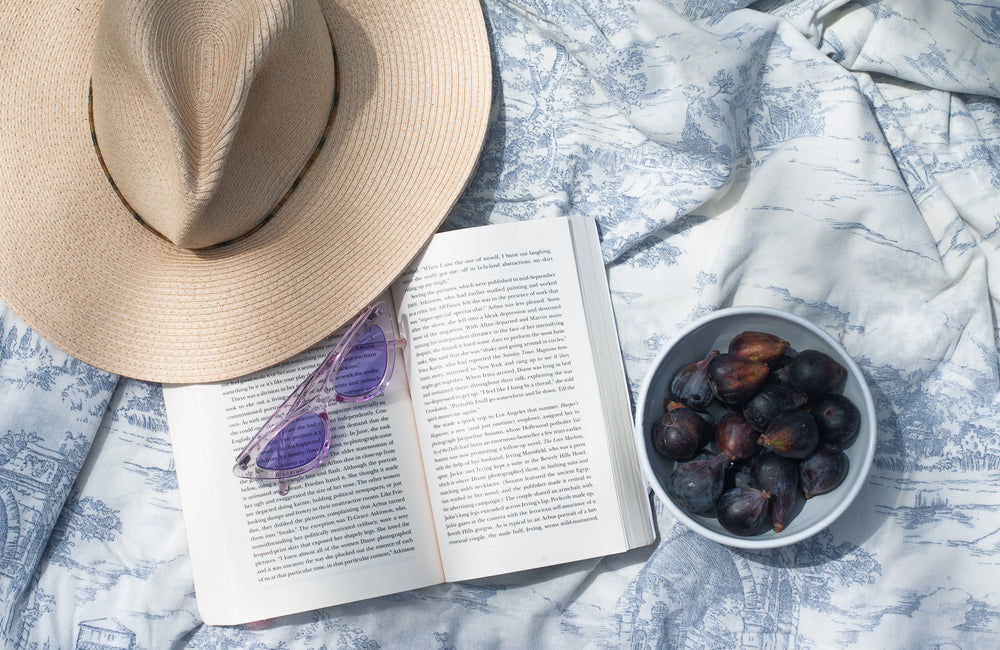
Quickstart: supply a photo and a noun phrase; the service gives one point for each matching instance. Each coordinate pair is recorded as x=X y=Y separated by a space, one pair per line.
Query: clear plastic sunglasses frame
x=308 y=404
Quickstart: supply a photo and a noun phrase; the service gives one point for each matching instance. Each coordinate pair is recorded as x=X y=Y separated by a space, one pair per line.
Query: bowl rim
x=868 y=407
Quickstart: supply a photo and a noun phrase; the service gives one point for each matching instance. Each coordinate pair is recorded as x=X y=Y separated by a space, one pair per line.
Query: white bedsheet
x=840 y=160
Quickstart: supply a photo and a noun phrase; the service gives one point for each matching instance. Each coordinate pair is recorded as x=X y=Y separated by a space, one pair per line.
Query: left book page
x=360 y=526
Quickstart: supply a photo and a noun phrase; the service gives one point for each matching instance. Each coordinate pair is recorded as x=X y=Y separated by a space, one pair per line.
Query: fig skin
x=771 y=401
x=734 y=379
x=680 y=433
x=691 y=385
x=735 y=437
x=815 y=373
x=824 y=470
x=741 y=477
x=697 y=484
x=708 y=431
x=793 y=434
x=837 y=419
x=743 y=511
x=758 y=346
x=779 y=476
x=781 y=369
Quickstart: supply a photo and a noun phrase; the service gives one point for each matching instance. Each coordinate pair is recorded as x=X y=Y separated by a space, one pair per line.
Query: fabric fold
x=52 y=406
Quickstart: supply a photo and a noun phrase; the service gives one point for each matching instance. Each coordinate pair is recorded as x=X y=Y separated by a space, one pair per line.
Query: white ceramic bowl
x=713 y=332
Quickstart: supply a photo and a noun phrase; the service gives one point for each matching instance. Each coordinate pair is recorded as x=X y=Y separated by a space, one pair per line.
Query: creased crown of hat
x=193 y=190
x=206 y=112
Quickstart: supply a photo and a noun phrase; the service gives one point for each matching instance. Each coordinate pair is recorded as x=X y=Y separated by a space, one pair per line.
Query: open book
x=502 y=443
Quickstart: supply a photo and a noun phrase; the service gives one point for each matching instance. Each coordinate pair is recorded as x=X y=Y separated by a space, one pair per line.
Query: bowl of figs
x=755 y=428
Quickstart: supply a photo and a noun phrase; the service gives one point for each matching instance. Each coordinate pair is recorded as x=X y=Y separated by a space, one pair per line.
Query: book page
x=358 y=526
x=505 y=397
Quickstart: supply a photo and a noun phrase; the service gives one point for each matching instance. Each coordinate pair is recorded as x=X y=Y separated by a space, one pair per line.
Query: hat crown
x=205 y=112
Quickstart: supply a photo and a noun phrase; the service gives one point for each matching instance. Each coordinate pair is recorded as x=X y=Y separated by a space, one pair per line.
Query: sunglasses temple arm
x=395 y=344
x=291 y=402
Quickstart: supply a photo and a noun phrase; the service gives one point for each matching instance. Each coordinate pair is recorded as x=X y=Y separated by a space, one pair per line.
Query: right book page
x=525 y=432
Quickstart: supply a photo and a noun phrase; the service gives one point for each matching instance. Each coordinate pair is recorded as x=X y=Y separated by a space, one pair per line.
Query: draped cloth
x=839 y=160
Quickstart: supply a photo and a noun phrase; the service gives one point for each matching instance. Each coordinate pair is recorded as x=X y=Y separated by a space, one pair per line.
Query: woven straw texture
x=415 y=87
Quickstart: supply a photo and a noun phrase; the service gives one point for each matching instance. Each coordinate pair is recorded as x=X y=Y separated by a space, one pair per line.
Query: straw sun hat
x=192 y=190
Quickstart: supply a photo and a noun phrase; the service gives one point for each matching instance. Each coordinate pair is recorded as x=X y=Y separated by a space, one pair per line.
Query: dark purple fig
x=779 y=476
x=735 y=379
x=837 y=419
x=815 y=373
x=680 y=433
x=697 y=484
x=741 y=477
x=781 y=369
x=735 y=438
x=708 y=431
x=690 y=385
x=792 y=434
x=758 y=346
x=823 y=471
x=743 y=511
x=771 y=401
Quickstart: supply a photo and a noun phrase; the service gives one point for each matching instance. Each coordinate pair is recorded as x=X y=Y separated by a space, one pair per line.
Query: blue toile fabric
x=52 y=407
x=836 y=159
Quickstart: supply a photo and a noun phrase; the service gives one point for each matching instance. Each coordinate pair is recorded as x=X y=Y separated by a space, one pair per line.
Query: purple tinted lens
x=298 y=442
x=364 y=367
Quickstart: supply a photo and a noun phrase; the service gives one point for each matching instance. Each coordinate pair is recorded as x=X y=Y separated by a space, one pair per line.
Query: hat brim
x=415 y=90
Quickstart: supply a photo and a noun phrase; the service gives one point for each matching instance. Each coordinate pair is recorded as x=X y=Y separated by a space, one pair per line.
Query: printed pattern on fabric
x=836 y=159
x=51 y=407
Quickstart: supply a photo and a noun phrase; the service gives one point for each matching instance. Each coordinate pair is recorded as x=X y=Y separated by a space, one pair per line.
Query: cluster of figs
x=780 y=437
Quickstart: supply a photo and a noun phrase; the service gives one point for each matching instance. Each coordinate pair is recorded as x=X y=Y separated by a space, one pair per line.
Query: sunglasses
x=296 y=438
